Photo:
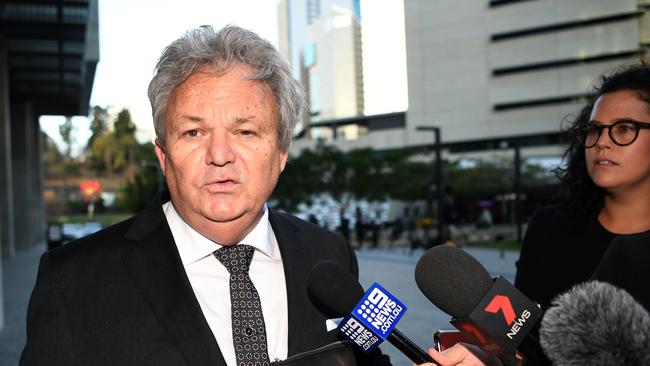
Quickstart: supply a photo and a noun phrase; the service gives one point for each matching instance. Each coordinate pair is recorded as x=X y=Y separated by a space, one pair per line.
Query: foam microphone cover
x=452 y=280
x=596 y=323
x=333 y=290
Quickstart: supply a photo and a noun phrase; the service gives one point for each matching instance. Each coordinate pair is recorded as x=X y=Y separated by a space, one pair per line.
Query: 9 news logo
x=356 y=332
x=374 y=317
x=380 y=309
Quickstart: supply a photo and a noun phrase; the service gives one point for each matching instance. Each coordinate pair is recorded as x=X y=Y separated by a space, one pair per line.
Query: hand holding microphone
x=463 y=354
x=492 y=314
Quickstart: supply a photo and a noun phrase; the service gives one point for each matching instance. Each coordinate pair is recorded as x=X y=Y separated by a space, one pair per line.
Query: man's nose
x=219 y=150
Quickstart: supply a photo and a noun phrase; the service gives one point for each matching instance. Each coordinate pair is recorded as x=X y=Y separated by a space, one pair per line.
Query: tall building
x=322 y=41
x=510 y=70
x=333 y=60
x=498 y=73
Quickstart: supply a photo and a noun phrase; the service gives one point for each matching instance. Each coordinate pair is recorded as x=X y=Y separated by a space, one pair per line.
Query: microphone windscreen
x=452 y=280
x=596 y=323
x=333 y=290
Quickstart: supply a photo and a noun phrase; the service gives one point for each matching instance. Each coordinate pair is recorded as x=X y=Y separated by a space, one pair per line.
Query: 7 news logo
x=502 y=303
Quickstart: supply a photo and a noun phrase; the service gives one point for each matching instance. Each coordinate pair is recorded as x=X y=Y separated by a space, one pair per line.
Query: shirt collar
x=192 y=246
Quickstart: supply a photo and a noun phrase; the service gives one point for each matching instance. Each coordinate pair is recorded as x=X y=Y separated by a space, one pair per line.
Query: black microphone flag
x=501 y=320
x=491 y=313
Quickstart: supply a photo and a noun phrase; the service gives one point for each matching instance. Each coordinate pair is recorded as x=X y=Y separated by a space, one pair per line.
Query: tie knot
x=236 y=258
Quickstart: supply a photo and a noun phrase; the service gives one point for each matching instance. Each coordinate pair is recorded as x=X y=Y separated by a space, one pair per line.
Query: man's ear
x=284 y=155
x=160 y=153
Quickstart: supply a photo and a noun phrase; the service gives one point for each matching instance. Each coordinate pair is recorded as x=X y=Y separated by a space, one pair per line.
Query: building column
x=7 y=248
x=7 y=243
x=38 y=197
x=22 y=125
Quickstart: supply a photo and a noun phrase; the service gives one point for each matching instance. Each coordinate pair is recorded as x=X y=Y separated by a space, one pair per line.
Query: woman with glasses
x=607 y=182
x=607 y=185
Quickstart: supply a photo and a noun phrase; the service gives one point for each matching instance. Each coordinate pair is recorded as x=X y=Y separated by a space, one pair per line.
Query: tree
x=105 y=149
x=98 y=125
x=123 y=125
x=366 y=174
x=140 y=189
x=117 y=150
x=98 y=128
x=358 y=174
x=66 y=130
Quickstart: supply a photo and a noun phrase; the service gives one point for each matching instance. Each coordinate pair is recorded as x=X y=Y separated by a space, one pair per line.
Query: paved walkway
x=18 y=276
x=393 y=269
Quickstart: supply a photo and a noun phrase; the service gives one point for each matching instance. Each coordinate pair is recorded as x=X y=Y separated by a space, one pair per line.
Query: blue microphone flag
x=373 y=319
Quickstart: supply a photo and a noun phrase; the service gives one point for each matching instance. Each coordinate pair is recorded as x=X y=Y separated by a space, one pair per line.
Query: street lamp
x=517 y=186
x=440 y=193
x=518 y=205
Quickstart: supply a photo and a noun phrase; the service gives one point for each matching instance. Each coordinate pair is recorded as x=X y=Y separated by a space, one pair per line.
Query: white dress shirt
x=210 y=281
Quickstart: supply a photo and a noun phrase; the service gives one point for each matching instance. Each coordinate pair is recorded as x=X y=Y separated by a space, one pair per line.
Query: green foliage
x=361 y=174
x=113 y=151
x=104 y=219
x=123 y=125
x=98 y=125
x=66 y=134
x=374 y=175
x=138 y=192
x=486 y=178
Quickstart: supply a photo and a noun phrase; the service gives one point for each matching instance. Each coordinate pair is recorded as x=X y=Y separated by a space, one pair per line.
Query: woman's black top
x=560 y=249
x=626 y=265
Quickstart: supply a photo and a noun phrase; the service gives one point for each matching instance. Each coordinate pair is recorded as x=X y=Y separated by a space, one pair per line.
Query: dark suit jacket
x=121 y=297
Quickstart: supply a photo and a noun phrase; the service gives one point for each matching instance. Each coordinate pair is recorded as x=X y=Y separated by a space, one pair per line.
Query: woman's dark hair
x=582 y=194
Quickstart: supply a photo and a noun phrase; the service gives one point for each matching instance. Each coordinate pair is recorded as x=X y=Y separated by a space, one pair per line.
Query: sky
x=132 y=34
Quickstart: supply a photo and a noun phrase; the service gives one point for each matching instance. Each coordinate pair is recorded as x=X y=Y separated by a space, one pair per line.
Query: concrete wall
x=6 y=203
x=452 y=57
x=27 y=223
x=531 y=14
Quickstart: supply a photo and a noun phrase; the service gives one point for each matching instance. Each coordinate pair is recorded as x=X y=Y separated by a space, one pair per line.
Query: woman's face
x=620 y=168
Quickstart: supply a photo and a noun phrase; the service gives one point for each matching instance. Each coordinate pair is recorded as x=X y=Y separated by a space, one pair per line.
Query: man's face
x=221 y=157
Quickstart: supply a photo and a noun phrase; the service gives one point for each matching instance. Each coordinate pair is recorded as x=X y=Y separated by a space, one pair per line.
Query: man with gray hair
x=208 y=274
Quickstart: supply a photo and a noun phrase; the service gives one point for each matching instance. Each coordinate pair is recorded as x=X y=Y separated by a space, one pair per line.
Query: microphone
x=491 y=313
x=336 y=293
x=596 y=323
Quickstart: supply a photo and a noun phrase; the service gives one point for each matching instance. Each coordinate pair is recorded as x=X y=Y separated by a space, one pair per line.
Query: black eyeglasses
x=622 y=132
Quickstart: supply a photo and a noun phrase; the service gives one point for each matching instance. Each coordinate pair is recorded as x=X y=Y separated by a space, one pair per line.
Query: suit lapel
x=296 y=265
x=157 y=270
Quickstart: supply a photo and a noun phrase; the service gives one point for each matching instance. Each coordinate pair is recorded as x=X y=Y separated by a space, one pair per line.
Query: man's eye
x=246 y=132
x=192 y=133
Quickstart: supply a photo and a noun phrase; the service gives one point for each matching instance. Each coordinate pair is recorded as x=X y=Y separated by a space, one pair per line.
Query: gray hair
x=221 y=51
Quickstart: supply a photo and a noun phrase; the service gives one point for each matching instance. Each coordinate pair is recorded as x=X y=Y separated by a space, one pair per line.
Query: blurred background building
x=494 y=74
x=499 y=78
x=48 y=54
x=323 y=41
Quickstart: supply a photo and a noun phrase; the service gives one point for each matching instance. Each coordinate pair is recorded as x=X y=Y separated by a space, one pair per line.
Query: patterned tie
x=248 y=331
